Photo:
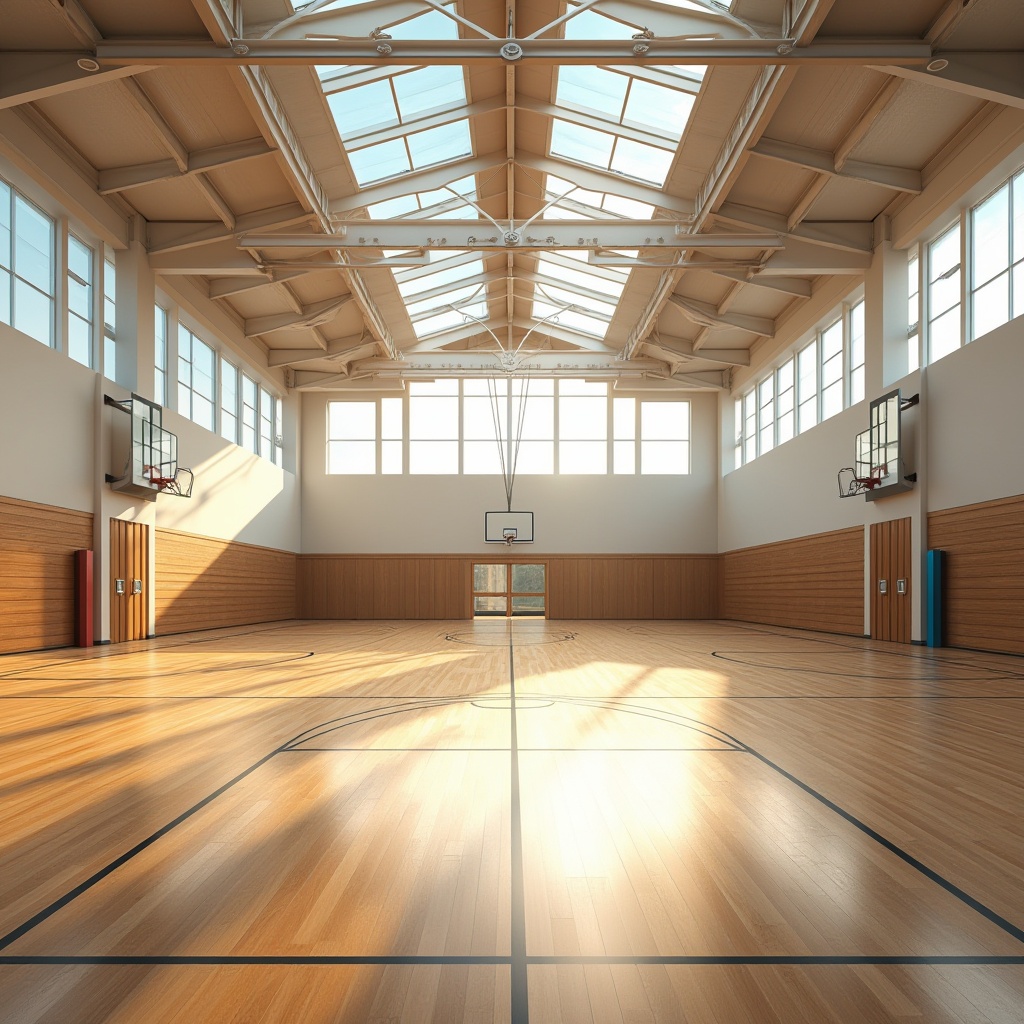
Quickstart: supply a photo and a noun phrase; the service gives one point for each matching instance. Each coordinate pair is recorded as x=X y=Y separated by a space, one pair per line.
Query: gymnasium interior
x=511 y=511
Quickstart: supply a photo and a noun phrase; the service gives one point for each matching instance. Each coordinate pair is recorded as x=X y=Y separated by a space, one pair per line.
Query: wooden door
x=891 y=581
x=129 y=581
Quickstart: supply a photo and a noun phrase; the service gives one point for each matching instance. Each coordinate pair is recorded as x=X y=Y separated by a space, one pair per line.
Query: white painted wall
x=573 y=514
x=47 y=448
x=976 y=421
x=237 y=495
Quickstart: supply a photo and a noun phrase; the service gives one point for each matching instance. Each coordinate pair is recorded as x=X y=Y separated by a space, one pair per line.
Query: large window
x=26 y=266
x=81 y=310
x=582 y=427
x=434 y=427
x=997 y=257
x=664 y=438
x=160 y=321
x=352 y=437
x=454 y=427
x=109 y=321
x=944 y=294
x=818 y=380
x=196 y=374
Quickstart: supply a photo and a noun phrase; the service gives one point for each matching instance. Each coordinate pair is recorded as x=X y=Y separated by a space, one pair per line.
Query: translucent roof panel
x=410 y=286
x=592 y=88
x=655 y=106
x=607 y=201
x=441 y=87
x=622 y=99
x=450 y=318
x=420 y=149
x=439 y=145
x=385 y=160
x=610 y=152
x=427 y=202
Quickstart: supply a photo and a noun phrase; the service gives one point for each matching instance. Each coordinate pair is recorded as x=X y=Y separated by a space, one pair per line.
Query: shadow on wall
x=233 y=489
x=204 y=583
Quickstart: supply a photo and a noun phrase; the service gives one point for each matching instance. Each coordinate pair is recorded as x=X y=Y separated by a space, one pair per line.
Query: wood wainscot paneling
x=440 y=586
x=203 y=583
x=385 y=586
x=984 y=573
x=814 y=582
x=37 y=573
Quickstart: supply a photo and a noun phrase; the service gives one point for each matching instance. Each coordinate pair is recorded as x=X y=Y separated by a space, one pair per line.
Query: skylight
x=437 y=203
x=398 y=99
x=624 y=100
x=610 y=152
x=554 y=186
x=456 y=282
x=411 y=152
x=571 y=281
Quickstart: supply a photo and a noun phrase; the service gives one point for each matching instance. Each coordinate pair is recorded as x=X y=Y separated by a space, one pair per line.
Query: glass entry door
x=506 y=589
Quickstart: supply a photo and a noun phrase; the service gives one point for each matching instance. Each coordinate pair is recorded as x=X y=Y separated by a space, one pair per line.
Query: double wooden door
x=891 y=562
x=129 y=581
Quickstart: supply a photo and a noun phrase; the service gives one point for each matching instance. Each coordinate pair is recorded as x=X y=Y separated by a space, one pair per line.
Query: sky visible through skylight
x=626 y=121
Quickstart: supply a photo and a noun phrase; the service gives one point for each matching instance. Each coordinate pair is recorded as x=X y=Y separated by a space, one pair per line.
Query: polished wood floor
x=543 y=822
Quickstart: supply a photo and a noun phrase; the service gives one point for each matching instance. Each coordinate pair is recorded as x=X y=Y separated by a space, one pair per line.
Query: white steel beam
x=705 y=314
x=168 y=236
x=482 y=235
x=465 y=52
x=343 y=350
x=315 y=314
x=900 y=179
x=992 y=76
x=225 y=287
x=856 y=236
x=427 y=180
x=118 y=179
x=680 y=348
x=30 y=77
x=213 y=258
x=480 y=363
x=596 y=180
x=796 y=286
x=800 y=257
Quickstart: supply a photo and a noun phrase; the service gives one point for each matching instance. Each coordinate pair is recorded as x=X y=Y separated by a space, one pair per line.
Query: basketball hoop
x=508 y=535
x=850 y=485
x=180 y=484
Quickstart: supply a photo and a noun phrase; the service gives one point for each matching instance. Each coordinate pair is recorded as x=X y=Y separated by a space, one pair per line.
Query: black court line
x=522 y=750
x=770 y=959
x=985 y=674
x=519 y=959
x=455 y=697
x=520 y=997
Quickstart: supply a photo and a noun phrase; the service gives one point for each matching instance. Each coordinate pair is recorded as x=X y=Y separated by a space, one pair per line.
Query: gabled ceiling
x=393 y=189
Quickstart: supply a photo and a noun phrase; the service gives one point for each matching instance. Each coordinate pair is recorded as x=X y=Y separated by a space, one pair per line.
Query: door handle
x=883 y=586
x=136 y=586
x=119 y=586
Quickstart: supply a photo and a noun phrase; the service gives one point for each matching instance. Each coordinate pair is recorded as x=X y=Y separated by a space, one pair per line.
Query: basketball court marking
x=519 y=960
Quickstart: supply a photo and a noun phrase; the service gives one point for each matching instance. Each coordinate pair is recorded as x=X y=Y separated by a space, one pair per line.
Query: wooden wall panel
x=814 y=582
x=37 y=573
x=984 y=574
x=439 y=586
x=202 y=583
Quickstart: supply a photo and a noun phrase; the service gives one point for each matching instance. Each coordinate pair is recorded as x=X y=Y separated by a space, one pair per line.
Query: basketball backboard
x=144 y=455
x=500 y=526
x=879 y=468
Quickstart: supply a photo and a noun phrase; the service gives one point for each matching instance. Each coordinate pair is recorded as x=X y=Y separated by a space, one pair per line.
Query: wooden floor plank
x=348 y=789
